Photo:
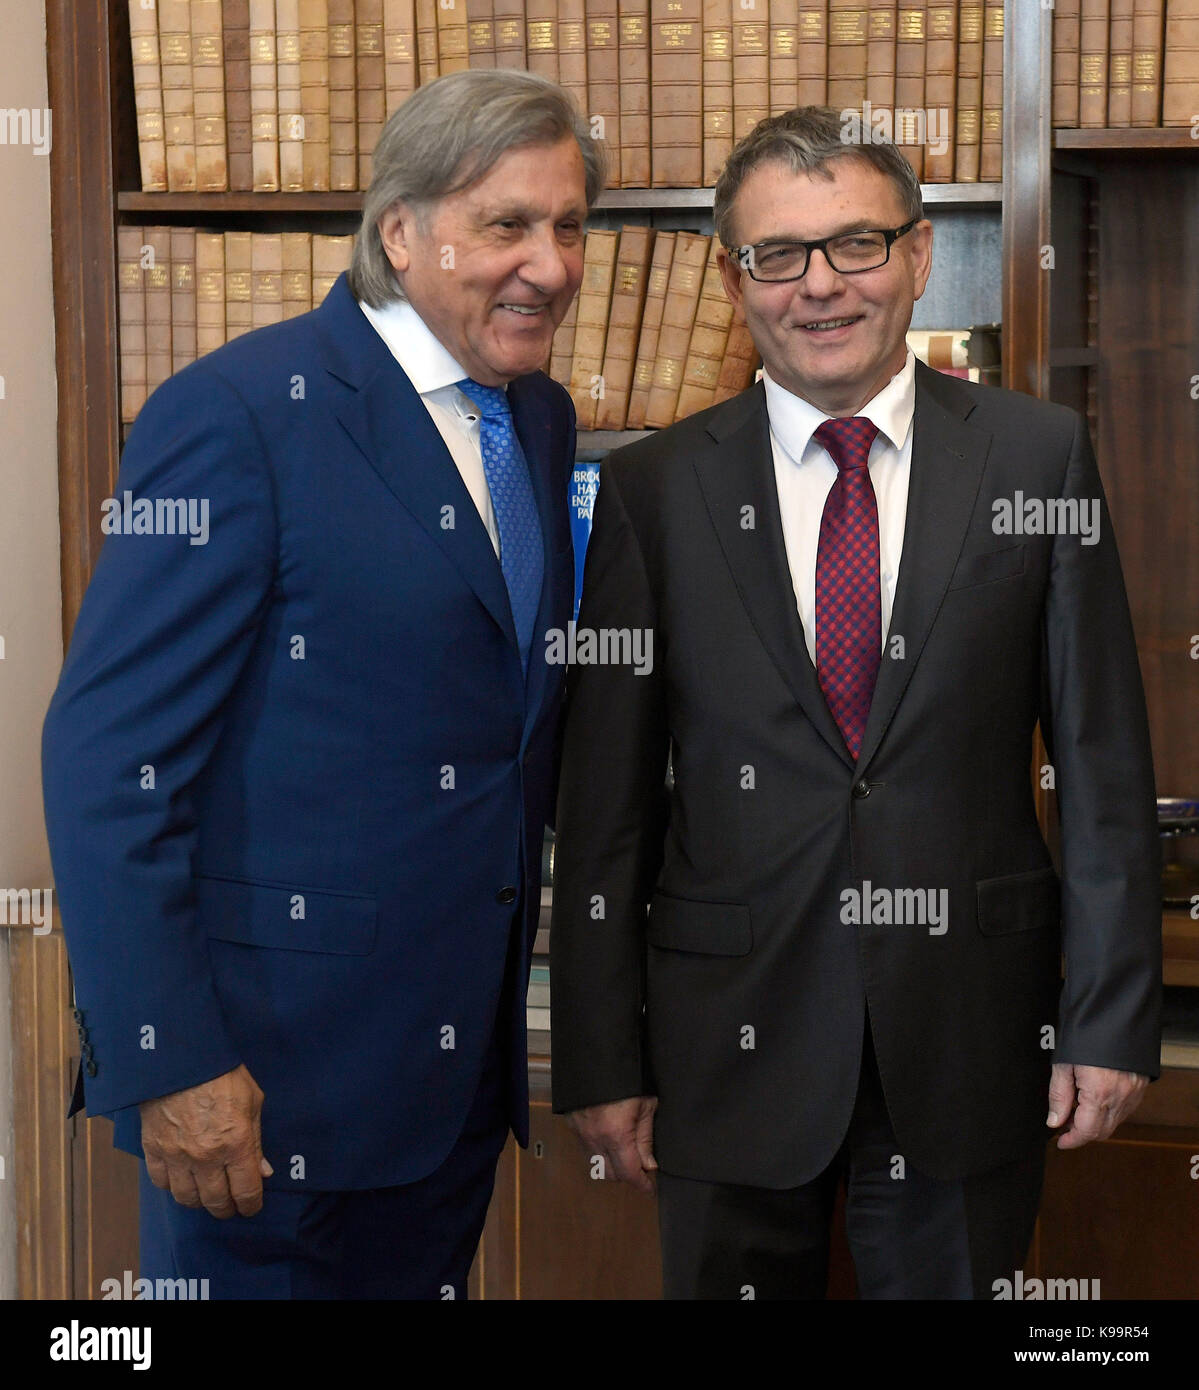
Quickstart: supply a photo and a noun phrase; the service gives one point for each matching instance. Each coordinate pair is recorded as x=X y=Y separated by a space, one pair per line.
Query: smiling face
x=833 y=339
x=493 y=273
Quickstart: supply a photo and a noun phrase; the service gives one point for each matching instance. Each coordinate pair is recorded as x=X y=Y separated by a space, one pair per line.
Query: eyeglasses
x=848 y=253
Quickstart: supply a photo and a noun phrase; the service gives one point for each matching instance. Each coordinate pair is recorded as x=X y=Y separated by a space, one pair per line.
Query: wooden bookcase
x=1114 y=197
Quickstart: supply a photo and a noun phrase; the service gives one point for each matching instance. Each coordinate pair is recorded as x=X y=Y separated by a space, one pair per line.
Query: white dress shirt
x=804 y=473
x=433 y=371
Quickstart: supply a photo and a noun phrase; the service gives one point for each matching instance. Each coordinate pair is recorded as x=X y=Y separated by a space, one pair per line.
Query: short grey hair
x=806 y=140
x=450 y=133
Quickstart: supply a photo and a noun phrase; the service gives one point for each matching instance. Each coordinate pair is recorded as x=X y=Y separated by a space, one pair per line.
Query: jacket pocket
x=713 y=929
x=1019 y=902
x=287 y=918
x=989 y=566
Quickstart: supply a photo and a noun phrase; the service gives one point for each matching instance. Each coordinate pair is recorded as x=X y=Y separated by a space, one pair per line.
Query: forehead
x=775 y=200
x=542 y=177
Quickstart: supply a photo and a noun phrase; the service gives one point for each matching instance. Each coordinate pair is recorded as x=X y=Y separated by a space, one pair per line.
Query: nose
x=821 y=280
x=544 y=265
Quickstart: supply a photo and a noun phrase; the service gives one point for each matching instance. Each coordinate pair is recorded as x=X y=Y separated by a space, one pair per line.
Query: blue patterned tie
x=507 y=472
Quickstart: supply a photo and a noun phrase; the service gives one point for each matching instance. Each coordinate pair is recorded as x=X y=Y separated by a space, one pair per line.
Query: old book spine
x=624 y=325
x=634 y=95
x=183 y=297
x=881 y=21
x=210 y=291
x=603 y=79
x=738 y=366
x=1092 y=64
x=651 y=326
x=291 y=113
x=591 y=326
x=375 y=75
x=1148 y=30
x=266 y=279
x=717 y=87
x=991 y=150
x=709 y=338
x=297 y=273
x=480 y=33
x=428 y=65
x=572 y=52
x=784 y=55
x=910 y=33
x=678 y=315
x=157 y=281
x=238 y=114
x=178 y=99
x=812 y=57
x=453 y=42
x=264 y=99
x=969 y=90
x=131 y=291
x=147 y=96
x=1066 y=22
x=541 y=37
x=208 y=96
x=751 y=65
x=1119 y=63
x=1180 y=84
x=510 y=33
x=400 y=50
x=562 y=348
x=343 y=97
x=315 y=94
x=238 y=283
x=676 y=72
x=847 y=33
x=940 y=91
x=330 y=257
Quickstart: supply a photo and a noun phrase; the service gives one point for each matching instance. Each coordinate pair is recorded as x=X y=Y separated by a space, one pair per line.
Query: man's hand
x=205 y=1144
x=1105 y=1098
x=622 y=1134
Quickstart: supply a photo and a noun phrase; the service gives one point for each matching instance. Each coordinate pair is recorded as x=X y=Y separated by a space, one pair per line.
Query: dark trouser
x=910 y=1237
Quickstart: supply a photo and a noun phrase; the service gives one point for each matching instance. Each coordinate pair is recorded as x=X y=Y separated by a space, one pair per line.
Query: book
x=717 y=79
x=940 y=89
x=909 y=82
x=541 y=37
x=131 y=292
x=624 y=324
x=330 y=257
x=315 y=94
x=343 y=97
x=651 y=324
x=1066 y=24
x=562 y=348
x=266 y=278
x=1148 y=31
x=591 y=325
x=709 y=339
x=603 y=79
x=287 y=80
x=377 y=79
x=147 y=98
x=991 y=147
x=238 y=113
x=208 y=96
x=1119 y=63
x=969 y=91
x=509 y=33
x=751 y=65
x=1092 y=64
x=572 y=52
x=847 y=54
x=453 y=42
x=264 y=99
x=812 y=54
x=427 y=53
x=676 y=72
x=183 y=297
x=480 y=33
x=784 y=55
x=297 y=273
x=210 y=291
x=1180 y=82
x=881 y=21
x=634 y=93
x=178 y=102
x=738 y=365
x=238 y=282
x=156 y=264
x=678 y=315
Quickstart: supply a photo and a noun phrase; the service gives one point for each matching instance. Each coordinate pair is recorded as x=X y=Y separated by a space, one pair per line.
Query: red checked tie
x=848 y=606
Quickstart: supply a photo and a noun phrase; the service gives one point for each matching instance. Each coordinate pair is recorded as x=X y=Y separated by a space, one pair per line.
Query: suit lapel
x=739 y=474
x=948 y=458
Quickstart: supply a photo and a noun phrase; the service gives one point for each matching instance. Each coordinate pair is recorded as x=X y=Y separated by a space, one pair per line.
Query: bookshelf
x=1076 y=189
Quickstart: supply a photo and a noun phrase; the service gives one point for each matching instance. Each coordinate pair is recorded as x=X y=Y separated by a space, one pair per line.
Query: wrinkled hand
x=205 y=1144
x=1099 y=1098
x=621 y=1132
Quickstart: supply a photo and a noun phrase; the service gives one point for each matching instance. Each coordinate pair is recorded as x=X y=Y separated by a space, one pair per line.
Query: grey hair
x=447 y=135
x=806 y=140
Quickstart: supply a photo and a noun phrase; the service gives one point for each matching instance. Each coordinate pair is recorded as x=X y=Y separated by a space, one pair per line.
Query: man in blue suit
x=298 y=766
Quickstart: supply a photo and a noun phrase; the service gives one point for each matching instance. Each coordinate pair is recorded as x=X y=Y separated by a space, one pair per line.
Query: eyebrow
x=856 y=226
x=498 y=211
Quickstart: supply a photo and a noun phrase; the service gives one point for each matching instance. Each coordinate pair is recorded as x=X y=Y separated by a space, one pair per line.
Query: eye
x=509 y=224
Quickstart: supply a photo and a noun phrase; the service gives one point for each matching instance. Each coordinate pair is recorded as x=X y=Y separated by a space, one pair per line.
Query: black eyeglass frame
x=891 y=235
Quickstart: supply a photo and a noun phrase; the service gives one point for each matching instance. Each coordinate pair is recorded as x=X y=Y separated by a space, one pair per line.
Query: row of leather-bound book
x=291 y=95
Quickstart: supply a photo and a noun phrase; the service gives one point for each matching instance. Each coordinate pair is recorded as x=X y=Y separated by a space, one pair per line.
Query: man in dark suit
x=850 y=960
x=297 y=774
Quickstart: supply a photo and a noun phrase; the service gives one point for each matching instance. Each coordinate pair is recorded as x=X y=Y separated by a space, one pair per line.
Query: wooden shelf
x=1115 y=140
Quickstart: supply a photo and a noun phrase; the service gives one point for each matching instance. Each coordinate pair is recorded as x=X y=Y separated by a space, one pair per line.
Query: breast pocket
x=988 y=566
x=287 y=918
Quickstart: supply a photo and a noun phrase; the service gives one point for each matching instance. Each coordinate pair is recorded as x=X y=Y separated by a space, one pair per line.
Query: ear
x=397 y=228
x=921 y=252
x=731 y=274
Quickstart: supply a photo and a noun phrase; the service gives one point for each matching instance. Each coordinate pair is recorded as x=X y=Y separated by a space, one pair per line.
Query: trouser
x=910 y=1235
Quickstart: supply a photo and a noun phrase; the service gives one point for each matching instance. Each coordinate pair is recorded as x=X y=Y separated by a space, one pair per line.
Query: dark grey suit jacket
x=739 y=997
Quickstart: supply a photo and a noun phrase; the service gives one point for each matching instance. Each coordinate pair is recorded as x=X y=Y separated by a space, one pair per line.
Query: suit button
x=861 y=789
x=506 y=895
x=86 y=1052
x=91 y=1068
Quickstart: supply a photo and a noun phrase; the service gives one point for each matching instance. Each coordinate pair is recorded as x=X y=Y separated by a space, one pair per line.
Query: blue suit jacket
x=296 y=781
